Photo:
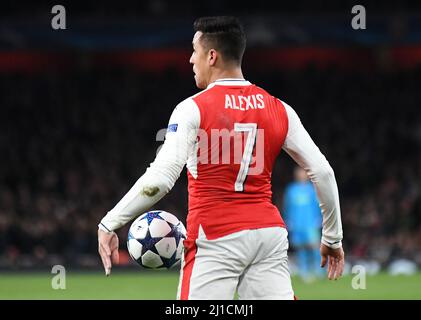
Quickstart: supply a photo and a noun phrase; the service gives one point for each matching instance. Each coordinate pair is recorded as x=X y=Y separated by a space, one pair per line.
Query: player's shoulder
x=191 y=102
x=269 y=94
x=262 y=90
x=186 y=111
x=186 y=105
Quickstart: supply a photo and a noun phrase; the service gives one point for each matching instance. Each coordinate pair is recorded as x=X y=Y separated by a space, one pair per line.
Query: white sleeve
x=303 y=150
x=163 y=172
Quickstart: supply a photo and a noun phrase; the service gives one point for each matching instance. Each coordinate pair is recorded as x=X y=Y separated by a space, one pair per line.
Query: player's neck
x=226 y=74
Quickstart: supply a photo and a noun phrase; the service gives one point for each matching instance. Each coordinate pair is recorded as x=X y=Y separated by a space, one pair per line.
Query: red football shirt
x=242 y=130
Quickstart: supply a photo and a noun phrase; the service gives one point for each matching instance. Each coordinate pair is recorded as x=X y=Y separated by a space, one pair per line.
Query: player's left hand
x=108 y=249
x=335 y=259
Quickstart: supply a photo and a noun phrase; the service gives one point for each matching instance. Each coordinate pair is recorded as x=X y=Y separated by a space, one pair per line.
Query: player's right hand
x=336 y=259
x=108 y=249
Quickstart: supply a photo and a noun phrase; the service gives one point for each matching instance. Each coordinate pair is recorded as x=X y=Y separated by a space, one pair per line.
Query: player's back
x=242 y=130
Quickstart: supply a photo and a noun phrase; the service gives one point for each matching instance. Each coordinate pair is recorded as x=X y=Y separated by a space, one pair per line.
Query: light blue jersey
x=302 y=212
x=303 y=218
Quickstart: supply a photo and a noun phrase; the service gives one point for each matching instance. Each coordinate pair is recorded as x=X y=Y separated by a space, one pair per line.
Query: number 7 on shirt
x=251 y=129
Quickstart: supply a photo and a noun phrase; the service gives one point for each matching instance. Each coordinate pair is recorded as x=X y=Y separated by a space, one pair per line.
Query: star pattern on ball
x=152 y=215
x=155 y=240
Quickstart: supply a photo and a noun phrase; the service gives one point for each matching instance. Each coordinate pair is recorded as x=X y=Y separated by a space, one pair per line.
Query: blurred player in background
x=236 y=238
x=303 y=219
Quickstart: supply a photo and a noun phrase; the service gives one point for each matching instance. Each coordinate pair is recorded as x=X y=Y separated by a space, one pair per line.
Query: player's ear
x=212 y=56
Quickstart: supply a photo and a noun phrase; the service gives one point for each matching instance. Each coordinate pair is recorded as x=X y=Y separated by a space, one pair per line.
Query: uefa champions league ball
x=155 y=240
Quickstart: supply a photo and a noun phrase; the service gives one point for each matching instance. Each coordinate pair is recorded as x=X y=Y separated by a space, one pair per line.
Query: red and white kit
x=230 y=135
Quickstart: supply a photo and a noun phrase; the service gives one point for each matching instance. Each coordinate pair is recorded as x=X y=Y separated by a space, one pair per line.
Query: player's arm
x=303 y=150
x=156 y=182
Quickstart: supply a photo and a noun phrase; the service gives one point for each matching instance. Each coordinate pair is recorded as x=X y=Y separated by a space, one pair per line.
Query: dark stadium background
x=81 y=107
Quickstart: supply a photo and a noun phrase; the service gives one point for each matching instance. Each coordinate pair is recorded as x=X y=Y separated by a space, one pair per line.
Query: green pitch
x=163 y=285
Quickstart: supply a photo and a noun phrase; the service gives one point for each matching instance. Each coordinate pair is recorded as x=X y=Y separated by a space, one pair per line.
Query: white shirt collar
x=229 y=82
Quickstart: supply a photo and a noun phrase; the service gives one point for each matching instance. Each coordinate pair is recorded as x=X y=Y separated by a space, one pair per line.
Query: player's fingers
x=106 y=249
x=339 y=266
x=331 y=268
x=335 y=269
x=323 y=261
x=115 y=256
x=105 y=258
x=106 y=261
x=340 y=269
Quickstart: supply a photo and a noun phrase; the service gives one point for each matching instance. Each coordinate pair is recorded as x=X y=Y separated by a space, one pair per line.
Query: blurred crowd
x=73 y=143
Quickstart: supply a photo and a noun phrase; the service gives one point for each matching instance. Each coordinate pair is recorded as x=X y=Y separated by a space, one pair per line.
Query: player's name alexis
x=244 y=103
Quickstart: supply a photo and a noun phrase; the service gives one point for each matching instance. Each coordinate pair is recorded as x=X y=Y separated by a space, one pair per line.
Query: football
x=155 y=240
